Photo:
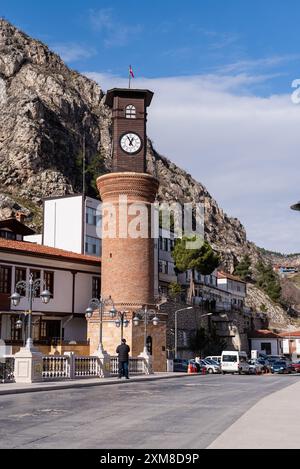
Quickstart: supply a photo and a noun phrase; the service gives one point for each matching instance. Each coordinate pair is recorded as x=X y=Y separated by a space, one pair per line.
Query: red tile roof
x=33 y=249
x=222 y=274
x=290 y=334
x=263 y=334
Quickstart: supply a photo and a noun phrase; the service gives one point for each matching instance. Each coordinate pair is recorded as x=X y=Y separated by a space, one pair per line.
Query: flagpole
x=129 y=77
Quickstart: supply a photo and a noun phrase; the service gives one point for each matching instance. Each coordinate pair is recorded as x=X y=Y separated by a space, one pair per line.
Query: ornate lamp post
x=100 y=304
x=121 y=321
x=31 y=287
x=145 y=315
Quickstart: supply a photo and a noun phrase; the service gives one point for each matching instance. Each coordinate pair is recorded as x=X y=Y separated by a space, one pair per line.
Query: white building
x=163 y=261
x=235 y=286
x=72 y=223
x=73 y=279
x=266 y=341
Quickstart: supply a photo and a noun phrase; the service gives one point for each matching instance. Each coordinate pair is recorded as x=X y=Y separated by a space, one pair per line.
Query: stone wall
x=134 y=336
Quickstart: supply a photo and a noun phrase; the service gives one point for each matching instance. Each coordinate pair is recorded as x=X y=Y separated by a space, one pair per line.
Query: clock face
x=131 y=143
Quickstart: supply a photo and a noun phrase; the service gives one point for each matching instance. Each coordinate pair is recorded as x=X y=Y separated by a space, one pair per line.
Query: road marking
x=205 y=384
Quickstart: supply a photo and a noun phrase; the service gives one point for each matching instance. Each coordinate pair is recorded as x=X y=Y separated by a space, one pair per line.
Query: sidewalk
x=273 y=423
x=13 y=388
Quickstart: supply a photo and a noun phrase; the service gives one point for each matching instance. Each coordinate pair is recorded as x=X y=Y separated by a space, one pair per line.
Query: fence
x=70 y=366
x=136 y=366
x=86 y=367
x=56 y=367
x=60 y=367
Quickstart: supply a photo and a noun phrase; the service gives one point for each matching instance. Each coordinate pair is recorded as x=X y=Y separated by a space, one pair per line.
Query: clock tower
x=127 y=193
x=129 y=114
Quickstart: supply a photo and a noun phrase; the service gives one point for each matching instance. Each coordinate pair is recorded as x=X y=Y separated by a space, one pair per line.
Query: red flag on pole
x=131 y=71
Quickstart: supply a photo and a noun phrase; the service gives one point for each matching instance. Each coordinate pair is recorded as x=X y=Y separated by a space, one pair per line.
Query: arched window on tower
x=130 y=112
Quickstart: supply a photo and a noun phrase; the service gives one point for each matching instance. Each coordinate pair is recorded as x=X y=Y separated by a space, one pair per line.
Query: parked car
x=215 y=358
x=255 y=367
x=211 y=366
x=180 y=365
x=201 y=368
x=265 y=364
x=296 y=366
x=281 y=366
x=274 y=358
x=234 y=362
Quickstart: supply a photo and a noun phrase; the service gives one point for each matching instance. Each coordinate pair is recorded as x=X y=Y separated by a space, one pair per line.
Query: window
x=96 y=287
x=163 y=267
x=16 y=334
x=20 y=276
x=49 y=282
x=229 y=358
x=7 y=234
x=160 y=243
x=266 y=347
x=166 y=245
x=36 y=274
x=92 y=246
x=5 y=280
x=92 y=217
x=130 y=112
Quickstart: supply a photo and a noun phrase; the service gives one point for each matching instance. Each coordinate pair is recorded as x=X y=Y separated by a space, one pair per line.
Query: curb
x=85 y=383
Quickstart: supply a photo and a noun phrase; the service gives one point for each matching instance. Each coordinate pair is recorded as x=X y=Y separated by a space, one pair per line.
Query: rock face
x=278 y=318
x=46 y=111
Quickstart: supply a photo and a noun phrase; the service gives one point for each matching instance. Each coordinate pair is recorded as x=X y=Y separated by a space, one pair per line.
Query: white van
x=215 y=358
x=234 y=362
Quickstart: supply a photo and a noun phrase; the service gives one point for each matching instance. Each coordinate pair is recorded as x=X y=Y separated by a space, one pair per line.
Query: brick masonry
x=128 y=269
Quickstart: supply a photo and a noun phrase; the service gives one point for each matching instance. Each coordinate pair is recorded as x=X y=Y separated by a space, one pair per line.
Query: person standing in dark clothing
x=123 y=354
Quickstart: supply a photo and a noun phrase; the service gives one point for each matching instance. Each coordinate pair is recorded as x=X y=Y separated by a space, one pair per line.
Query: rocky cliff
x=46 y=110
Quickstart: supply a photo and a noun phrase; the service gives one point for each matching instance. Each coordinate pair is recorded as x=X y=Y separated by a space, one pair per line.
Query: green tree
x=268 y=281
x=205 y=343
x=95 y=167
x=201 y=259
x=175 y=290
x=243 y=268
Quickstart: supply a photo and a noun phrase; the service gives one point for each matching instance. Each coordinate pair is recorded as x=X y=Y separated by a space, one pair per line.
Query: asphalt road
x=186 y=412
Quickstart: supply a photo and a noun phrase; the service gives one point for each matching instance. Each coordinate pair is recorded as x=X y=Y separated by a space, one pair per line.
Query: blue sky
x=221 y=72
x=169 y=37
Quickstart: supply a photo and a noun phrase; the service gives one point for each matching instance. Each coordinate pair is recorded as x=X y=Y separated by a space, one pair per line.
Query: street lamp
x=121 y=321
x=32 y=288
x=100 y=304
x=144 y=314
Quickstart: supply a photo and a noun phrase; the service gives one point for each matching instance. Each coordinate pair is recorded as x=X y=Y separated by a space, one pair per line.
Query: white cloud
x=116 y=33
x=71 y=52
x=244 y=66
x=243 y=148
